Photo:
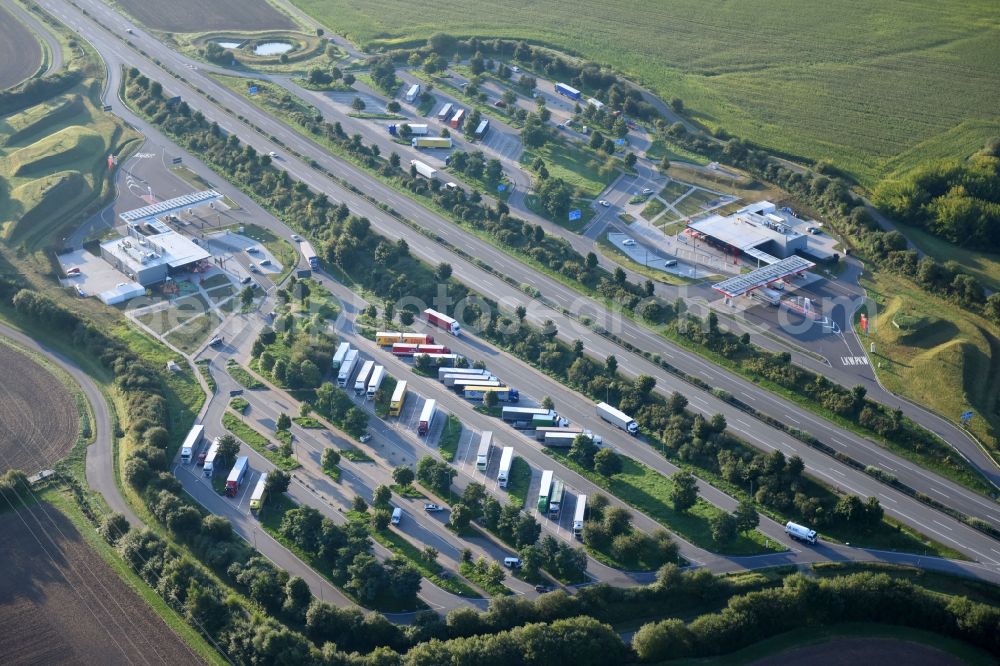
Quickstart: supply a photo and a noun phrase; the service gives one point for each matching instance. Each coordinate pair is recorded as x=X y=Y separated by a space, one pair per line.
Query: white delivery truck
x=617 y=418
x=801 y=532
x=506 y=460
x=413 y=92
x=347 y=368
x=765 y=295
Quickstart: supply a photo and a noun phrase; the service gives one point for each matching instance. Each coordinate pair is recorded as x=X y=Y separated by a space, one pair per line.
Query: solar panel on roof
x=741 y=284
x=163 y=207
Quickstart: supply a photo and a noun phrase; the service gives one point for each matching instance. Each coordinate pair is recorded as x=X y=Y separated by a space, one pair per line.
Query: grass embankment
x=53 y=157
x=648 y=491
x=938 y=356
x=258 y=442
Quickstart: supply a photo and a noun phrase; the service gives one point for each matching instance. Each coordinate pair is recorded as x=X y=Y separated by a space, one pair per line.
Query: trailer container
x=483 y=453
x=545 y=420
x=521 y=417
x=579 y=515
x=431 y=142
x=413 y=92
x=398 y=398
x=259 y=495
x=801 y=532
x=409 y=349
x=425 y=170
x=418 y=338
x=556 y=498
x=461 y=384
x=375 y=382
x=543 y=491
x=192 y=443
x=447 y=359
x=443 y=321
x=544 y=430
x=483 y=128
x=443 y=372
x=309 y=254
x=567 y=91
x=387 y=338
x=506 y=460
x=451 y=376
x=416 y=129
x=236 y=475
x=338 y=358
x=445 y=112
x=213 y=453
x=426 y=417
x=361 y=381
x=617 y=418
x=503 y=393
x=596 y=103
x=347 y=368
x=458 y=119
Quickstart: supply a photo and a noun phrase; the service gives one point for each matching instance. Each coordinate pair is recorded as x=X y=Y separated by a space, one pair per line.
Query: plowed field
x=200 y=16
x=61 y=604
x=20 y=52
x=39 y=420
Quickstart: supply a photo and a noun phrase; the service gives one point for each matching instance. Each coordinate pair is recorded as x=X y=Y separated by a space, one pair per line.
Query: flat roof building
x=151 y=259
x=758 y=227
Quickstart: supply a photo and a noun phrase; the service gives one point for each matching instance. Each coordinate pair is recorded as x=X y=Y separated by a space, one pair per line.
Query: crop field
x=60 y=603
x=199 y=16
x=20 y=52
x=865 y=83
x=39 y=421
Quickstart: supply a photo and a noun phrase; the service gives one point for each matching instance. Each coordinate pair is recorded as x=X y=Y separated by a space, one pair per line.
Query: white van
x=397 y=515
x=512 y=562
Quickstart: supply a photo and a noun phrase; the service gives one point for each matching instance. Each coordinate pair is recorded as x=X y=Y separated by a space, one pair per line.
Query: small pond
x=272 y=48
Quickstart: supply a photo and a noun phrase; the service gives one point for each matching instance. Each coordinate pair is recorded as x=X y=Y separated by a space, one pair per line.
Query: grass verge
x=257 y=442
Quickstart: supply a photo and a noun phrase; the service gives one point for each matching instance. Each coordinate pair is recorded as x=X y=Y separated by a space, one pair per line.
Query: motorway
x=841 y=439
x=896 y=504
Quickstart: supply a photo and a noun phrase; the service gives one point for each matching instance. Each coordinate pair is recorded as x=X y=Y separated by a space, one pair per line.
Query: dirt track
x=61 y=604
x=39 y=420
x=856 y=651
x=200 y=16
x=20 y=52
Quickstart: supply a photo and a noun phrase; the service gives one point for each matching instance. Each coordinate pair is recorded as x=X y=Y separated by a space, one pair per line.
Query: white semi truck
x=506 y=460
x=347 y=368
x=617 y=418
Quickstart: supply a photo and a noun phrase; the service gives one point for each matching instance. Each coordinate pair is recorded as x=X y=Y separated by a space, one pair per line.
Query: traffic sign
x=967 y=416
x=501 y=188
x=253 y=90
x=575 y=215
